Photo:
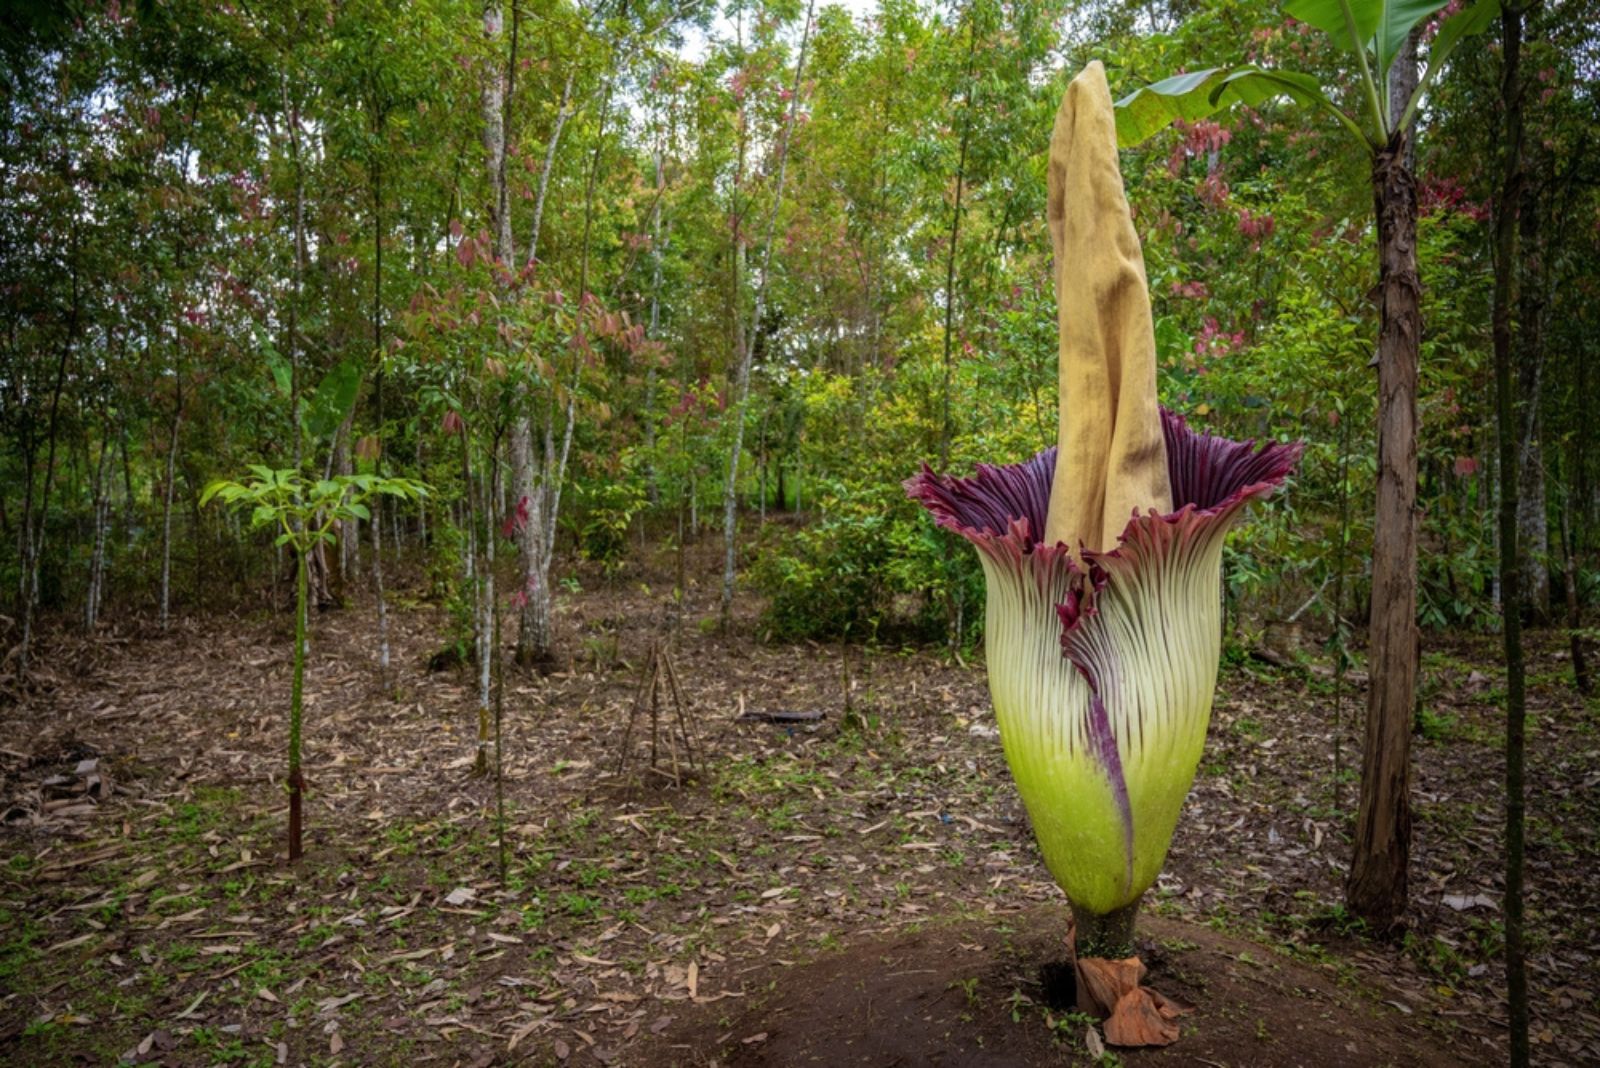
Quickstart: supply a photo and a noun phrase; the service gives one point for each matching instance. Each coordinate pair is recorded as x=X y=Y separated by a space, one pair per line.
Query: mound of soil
x=983 y=995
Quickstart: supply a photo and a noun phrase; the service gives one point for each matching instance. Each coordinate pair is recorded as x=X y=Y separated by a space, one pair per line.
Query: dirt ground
x=857 y=890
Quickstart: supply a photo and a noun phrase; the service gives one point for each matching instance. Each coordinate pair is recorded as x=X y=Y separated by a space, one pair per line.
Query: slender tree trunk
x=166 y=510
x=652 y=487
x=376 y=500
x=950 y=258
x=1533 y=528
x=297 y=706
x=1580 y=664
x=1505 y=248
x=102 y=515
x=536 y=643
x=486 y=626
x=1377 y=886
x=563 y=113
x=480 y=575
x=741 y=384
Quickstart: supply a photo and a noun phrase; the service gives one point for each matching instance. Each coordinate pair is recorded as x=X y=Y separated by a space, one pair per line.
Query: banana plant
x=305 y=513
x=1103 y=560
x=1373 y=33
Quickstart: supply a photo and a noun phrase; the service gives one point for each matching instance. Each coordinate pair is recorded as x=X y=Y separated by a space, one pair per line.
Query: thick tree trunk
x=1377 y=887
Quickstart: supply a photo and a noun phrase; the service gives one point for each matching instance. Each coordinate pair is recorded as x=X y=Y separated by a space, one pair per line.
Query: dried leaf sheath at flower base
x=1104 y=780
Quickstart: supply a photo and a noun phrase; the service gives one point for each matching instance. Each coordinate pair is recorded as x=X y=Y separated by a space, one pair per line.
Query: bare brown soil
x=864 y=894
x=975 y=995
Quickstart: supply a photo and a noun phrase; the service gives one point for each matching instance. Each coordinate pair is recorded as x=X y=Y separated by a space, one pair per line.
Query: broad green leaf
x=358 y=510
x=333 y=400
x=1200 y=94
x=263 y=514
x=212 y=490
x=1152 y=109
x=1381 y=25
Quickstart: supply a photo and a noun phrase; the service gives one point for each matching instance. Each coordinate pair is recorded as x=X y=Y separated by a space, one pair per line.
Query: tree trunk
x=950 y=257
x=652 y=487
x=35 y=520
x=376 y=500
x=166 y=513
x=102 y=516
x=1505 y=256
x=741 y=384
x=1377 y=887
x=1580 y=663
x=563 y=113
x=297 y=706
x=1533 y=528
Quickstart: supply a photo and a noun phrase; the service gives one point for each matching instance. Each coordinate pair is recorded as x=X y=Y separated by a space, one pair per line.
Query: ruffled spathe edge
x=1001 y=509
x=1213 y=479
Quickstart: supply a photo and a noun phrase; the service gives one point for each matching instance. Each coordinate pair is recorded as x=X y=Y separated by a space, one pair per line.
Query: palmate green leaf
x=262 y=515
x=1381 y=25
x=1203 y=93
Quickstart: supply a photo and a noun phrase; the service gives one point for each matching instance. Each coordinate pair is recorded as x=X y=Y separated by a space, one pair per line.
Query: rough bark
x=1377 y=887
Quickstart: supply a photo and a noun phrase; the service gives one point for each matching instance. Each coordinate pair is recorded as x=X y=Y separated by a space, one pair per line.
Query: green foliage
x=304 y=511
x=607 y=507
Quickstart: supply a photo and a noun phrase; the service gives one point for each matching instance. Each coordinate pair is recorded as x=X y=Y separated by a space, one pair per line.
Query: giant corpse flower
x=1103 y=560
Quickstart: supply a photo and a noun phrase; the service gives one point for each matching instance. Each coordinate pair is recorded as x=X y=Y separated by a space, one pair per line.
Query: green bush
x=868 y=568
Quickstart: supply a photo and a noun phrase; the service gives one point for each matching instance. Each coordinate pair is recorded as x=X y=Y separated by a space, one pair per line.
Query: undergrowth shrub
x=868 y=568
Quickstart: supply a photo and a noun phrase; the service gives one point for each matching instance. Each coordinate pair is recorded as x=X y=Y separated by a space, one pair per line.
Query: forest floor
x=834 y=893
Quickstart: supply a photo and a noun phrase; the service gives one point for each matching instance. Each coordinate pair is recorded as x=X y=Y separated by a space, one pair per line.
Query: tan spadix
x=1112 y=457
